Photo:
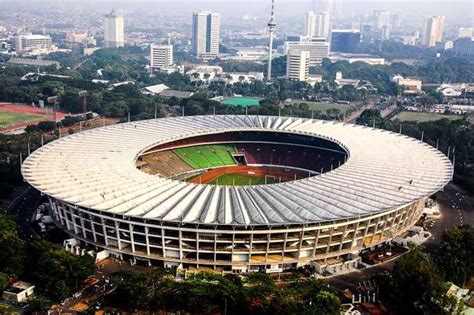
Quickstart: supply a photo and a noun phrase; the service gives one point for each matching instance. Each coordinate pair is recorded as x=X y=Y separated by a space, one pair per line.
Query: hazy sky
x=461 y=11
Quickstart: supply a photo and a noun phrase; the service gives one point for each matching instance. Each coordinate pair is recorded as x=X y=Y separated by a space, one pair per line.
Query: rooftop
x=96 y=169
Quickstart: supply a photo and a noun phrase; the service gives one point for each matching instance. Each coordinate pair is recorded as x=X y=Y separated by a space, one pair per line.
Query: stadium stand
x=165 y=163
x=206 y=156
x=286 y=155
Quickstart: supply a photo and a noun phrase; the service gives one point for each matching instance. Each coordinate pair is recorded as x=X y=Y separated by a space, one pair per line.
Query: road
x=23 y=207
x=456 y=207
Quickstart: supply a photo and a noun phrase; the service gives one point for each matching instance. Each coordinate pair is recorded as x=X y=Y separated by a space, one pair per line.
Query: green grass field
x=242 y=101
x=206 y=156
x=422 y=116
x=240 y=180
x=323 y=107
x=14 y=118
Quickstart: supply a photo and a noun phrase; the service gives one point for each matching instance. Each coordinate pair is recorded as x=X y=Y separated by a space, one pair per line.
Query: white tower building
x=433 y=30
x=271 y=27
x=206 y=34
x=113 y=30
x=310 y=24
x=324 y=25
x=161 y=56
x=297 y=65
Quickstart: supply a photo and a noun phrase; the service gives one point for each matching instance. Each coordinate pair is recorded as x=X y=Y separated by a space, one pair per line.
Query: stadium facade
x=372 y=190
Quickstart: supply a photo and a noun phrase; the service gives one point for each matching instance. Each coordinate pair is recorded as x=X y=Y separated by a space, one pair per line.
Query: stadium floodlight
x=83 y=95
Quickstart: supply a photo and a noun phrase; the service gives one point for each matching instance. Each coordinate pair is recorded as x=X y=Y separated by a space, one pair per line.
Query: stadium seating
x=165 y=163
x=295 y=156
x=206 y=156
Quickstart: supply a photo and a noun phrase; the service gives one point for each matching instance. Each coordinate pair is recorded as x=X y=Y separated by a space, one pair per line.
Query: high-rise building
x=324 y=25
x=297 y=65
x=310 y=26
x=433 y=30
x=385 y=32
x=382 y=18
x=333 y=7
x=206 y=34
x=161 y=56
x=25 y=42
x=113 y=30
x=464 y=46
x=465 y=32
x=345 y=40
x=318 y=49
x=396 y=20
x=366 y=33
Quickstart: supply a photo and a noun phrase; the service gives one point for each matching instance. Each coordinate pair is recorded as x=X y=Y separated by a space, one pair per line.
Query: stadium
x=237 y=193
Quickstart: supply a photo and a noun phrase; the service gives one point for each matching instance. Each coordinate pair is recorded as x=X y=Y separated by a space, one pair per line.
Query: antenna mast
x=271 y=26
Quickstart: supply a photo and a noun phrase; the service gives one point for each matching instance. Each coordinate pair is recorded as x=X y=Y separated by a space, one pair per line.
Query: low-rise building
x=318 y=49
x=351 y=58
x=409 y=85
x=33 y=62
x=204 y=73
x=77 y=37
x=168 y=93
x=154 y=89
x=18 y=292
x=341 y=82
x=29 y=42
x=239 y=77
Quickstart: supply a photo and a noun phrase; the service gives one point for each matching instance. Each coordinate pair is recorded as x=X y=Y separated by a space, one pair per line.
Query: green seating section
x=206 y=156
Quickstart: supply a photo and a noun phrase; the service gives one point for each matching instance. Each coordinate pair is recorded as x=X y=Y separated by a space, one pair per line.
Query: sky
x=460 y=10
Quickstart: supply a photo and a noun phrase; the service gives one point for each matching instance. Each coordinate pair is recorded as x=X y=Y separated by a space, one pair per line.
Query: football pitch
x=241 y=180
x=8 y=118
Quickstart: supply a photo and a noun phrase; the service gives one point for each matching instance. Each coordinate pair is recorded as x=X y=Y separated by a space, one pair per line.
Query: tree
x=417 y=286
x=456 y=254
x=3 y=281
x=132 y=290
x=39 y=303
x=324 y=303
x=12 y=248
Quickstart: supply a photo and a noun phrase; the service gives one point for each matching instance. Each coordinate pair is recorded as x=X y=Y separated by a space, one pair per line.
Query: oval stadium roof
x=96 y=169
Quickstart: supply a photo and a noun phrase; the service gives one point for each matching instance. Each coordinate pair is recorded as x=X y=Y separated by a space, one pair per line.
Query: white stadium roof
x=96 y=169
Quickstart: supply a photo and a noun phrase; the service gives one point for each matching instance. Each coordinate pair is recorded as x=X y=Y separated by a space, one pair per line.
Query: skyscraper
x=345 y=40
x=310 y=23
x=382 y=18
x=161 y=56
x=432 y=30
x=324 y=25
x=206 y=34
x=113 y=30
x=297 y=65
x=333 y=7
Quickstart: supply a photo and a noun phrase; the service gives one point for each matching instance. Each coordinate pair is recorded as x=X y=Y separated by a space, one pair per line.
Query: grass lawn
x=240 y=180
x=14 y=118
x=323 y=107
x=422 y=116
